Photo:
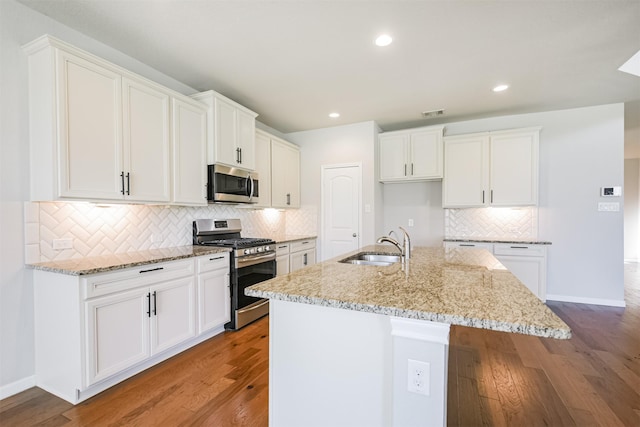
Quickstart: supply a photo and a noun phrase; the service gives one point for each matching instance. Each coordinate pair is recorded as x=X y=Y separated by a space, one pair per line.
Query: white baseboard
x=583 y=300
x=17 y=387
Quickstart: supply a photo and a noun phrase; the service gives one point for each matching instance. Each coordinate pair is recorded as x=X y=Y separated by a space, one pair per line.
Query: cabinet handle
x=122 y=182
x=288 y=199
x=152 y=269
x=519 y=247
x=128 y=185
x=491 y=196
x=411 y=169
x=155 y=304
x=149 y=304
x=465 y=244
x=282 y=247
x=218 y=257
x=305 y=259
x=405 y=169
x=237 y=155
x=240 y=155
x=482 y=196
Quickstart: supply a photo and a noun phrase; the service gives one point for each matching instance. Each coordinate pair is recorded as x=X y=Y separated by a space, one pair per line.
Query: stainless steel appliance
x=231 y=185
x=253 y=260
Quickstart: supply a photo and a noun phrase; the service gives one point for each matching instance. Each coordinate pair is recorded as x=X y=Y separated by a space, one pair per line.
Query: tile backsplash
x=102 y=230
x=491 y=223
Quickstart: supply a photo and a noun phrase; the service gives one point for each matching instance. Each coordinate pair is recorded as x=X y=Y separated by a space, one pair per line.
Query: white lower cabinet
x=528 y=262
x=94 y=331
x=282 y=259
x=302 y=254
x=214 y=294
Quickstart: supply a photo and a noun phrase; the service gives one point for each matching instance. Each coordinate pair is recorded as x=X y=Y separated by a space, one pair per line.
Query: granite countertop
x=497 y=240
x=104 y=263
x=285 y=238
x=456 y=286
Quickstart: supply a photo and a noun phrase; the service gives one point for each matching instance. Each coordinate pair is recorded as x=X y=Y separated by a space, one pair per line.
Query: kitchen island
x=349 y=342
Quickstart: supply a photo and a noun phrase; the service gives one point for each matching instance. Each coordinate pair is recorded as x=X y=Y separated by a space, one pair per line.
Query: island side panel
x=329 y=367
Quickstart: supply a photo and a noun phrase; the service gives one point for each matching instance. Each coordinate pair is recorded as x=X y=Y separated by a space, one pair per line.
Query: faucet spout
x=394 y=242
x=406 y=243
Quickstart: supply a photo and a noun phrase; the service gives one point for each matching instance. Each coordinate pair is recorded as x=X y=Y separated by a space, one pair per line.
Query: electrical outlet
x=608 y=207
x=410 y=224
x=60 y=244
x=418 y=377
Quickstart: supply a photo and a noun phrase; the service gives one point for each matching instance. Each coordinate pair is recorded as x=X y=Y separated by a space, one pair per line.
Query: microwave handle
x=250 y=187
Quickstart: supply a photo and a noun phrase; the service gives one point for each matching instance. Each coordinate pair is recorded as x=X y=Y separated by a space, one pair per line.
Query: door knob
x=354 y=235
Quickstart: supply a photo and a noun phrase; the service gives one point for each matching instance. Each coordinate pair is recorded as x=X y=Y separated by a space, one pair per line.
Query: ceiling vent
x=433 y=113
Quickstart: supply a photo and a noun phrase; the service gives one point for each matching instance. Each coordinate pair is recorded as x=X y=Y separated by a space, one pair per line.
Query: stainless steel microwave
x=231 y=185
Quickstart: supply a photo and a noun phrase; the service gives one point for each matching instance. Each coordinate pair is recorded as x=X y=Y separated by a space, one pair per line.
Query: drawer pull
x=464 y=244
x=305 y=243
x=519 y=247
x=152 y=269
x=218 y=257
x=282 y=247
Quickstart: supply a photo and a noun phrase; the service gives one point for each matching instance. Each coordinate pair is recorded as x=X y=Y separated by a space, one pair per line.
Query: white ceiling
x=294 y=62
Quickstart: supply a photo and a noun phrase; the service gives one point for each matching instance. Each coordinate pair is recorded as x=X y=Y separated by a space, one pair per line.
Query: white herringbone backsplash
x=112 y=229
x=519 y=223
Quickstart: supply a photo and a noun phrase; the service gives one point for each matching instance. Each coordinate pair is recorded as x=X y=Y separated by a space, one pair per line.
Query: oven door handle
x=246 y=262
x=255 y=306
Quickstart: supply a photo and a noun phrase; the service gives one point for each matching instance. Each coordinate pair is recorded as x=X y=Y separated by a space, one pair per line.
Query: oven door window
x=248 y=276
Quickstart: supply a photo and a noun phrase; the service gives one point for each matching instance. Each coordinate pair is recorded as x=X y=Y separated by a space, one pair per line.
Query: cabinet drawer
x=472 y=245
x=282 y=249
x=519 y=250
x=131 y=278
x=302 y=245
x=212 y=262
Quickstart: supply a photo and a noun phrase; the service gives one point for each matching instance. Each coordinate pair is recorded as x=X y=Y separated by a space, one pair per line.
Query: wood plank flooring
x=495 y=379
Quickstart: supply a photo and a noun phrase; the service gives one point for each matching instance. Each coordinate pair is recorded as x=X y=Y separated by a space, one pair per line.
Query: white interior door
x=341 y=201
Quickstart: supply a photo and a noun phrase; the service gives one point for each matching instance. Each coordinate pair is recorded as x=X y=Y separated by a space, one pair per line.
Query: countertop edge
x=58 y=267
x=488 y=240
x=420 y=315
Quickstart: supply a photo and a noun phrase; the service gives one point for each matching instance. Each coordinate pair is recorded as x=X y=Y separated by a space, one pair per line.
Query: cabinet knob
x=354 y=235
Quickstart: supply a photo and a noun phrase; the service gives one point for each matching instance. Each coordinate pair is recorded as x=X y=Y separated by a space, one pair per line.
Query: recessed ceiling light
x=500 y=88
x=384 y=40
x=334 y=115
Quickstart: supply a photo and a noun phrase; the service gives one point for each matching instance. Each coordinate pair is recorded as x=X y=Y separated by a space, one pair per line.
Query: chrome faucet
x=394 y=242
x=405 y=248
x=406 y=243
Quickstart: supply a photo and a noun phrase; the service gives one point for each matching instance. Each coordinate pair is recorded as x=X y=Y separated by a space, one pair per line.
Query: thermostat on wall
x=611 y=191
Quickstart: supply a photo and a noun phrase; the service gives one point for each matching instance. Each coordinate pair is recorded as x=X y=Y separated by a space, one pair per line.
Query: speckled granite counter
x=285 y=238
x=100 y=264
x=497 y=240
x=455 y=286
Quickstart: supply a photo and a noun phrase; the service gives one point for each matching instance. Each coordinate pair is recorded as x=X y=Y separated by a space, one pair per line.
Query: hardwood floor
x=495 y=379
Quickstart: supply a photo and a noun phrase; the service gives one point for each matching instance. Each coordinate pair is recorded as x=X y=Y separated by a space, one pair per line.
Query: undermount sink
x=366 y=258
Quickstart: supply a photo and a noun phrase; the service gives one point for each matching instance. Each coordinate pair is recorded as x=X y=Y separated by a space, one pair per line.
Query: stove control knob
x=259 y=249
x=247 y=251
x=267 y=248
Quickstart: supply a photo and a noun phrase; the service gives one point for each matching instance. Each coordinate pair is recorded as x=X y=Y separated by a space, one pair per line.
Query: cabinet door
x=214 y=299
x=189 y=153
x=146 y=142
x=117 y=334
x=426 y=155
x=285 y=175
x=514 y=169
x=298 y=260
x=226 y=133
x=531 y=271
x=173 y=313
x=466 y=171
x=246 y=139
x=393 y=157
x=89 y=129
x=263 y=168
x=282 y=265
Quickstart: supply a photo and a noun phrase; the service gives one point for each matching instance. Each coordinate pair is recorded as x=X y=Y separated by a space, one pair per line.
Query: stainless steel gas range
x=252 y=261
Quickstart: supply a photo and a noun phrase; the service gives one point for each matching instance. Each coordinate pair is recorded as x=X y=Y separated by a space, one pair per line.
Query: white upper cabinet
x=263 y=168
x=411 y=155
x=189 y=152
x=231 y=131
x=146 y=142
x=99 y=132
x=285 y=174
x=491 y=169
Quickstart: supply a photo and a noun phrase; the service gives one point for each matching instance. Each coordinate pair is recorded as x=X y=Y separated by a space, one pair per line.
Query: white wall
x=420 y=201
x=581 y=150
x=335 y=145
x=631 y=209
x=19 y=25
